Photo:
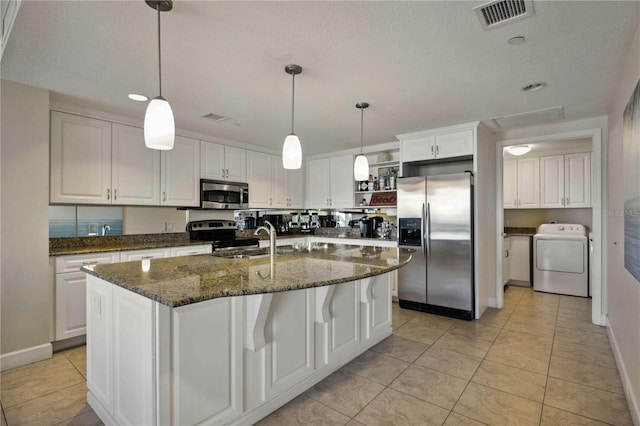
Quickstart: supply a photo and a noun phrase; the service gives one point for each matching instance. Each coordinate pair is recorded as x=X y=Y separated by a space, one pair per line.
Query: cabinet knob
x=115 y=194
x=164 y=196
x=108 y=194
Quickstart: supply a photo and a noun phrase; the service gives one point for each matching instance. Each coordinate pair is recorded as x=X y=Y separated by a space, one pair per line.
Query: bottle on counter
x=370 y=183
x=382 y=182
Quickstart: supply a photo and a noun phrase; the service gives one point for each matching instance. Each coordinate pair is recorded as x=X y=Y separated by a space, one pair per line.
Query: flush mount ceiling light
x=137 y=98
x=518 y=149
x=361 y=165
x=514 y=41
x=159 y=127
x=534 y=87
x=291 y=150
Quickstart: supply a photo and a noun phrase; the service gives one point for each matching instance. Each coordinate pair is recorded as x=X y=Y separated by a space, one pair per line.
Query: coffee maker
x=368 y=226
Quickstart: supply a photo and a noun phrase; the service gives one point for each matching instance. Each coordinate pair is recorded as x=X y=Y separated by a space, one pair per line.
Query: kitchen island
x=214 y=340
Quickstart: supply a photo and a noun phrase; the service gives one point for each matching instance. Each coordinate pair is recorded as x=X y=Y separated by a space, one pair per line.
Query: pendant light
x=291 y=150
x=361 y=166
x=159 y=127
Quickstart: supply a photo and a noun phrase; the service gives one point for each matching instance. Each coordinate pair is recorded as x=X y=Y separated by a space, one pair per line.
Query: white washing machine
x=561 y=259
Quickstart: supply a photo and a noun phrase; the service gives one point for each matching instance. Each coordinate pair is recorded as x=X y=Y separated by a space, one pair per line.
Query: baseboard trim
x=632 y=400
x=25 y=356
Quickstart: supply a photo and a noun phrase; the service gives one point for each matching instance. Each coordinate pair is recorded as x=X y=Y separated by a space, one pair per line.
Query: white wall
x=25 y=290
x=623 y=289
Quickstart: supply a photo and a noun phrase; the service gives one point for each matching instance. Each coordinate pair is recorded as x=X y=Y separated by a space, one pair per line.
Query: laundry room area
x=547 y=216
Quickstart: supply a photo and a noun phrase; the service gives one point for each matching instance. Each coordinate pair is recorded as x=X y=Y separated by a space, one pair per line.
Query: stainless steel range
x=221 y=232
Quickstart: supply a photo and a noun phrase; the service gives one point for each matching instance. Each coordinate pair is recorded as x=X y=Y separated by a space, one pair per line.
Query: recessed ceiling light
x=516 y=40
x=534 y=87
x=138 y=98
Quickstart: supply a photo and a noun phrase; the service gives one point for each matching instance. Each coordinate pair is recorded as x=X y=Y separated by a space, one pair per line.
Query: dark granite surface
x=184 y=280
x=513 y=231
x=84 y=245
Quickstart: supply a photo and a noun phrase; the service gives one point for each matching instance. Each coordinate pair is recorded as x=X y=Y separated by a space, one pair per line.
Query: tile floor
x=538 y=361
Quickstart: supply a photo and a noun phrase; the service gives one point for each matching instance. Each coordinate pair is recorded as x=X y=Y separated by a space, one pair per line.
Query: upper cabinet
x=220 y=162
x=521 y=184
x=330 y=182
x=259 y=179
x=565 y=181
x=270 y=184
x=433 y=145
x=97 y=162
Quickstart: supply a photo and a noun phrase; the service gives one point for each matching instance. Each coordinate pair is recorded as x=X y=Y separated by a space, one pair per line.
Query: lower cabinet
x=520 y=260
x=224 y=361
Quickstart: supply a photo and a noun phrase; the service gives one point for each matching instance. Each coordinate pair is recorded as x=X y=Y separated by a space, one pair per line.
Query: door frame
x=597 y=274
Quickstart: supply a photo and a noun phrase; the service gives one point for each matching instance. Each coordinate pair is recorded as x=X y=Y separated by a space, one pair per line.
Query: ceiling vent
x=530 y=118
x=496 y=13
x=215 y=117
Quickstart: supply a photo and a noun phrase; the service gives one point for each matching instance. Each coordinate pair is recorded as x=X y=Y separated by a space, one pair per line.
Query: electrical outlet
x=168 y=226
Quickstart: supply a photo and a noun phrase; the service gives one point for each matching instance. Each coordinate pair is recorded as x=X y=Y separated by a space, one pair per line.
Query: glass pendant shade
x=361 y=168
x=159 y=127
x=292 y=152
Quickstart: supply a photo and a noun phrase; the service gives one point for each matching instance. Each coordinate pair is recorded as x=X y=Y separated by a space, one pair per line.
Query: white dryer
x=561 y=259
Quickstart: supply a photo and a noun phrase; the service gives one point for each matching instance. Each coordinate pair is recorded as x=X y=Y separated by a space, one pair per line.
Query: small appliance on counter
x=222 y=233
x=368 y=226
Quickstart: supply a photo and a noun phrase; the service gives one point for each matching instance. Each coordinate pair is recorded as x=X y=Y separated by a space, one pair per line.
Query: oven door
x=223 y=195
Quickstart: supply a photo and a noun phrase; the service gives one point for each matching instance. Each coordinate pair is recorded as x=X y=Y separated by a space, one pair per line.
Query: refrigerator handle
x=428 y=230
x=422 y=231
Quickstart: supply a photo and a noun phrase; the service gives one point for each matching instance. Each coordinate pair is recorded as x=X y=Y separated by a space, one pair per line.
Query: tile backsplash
x=80 y=221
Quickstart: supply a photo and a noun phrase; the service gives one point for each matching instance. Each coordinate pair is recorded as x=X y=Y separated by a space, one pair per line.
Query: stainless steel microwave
x=222 y=195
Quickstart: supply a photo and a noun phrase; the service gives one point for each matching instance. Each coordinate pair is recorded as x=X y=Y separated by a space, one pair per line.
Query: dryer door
x=560 y=255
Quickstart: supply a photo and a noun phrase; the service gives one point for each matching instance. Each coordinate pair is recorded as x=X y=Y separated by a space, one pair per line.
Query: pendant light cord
x=361 y=129
x=293 y=99
x=159 y=55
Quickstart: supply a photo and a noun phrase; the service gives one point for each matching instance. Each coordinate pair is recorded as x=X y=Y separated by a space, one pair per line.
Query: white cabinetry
x=190 y=250
x=259 y=179
x=565 y=181
x=432 y=145
x=520 y=260
x=80 y=160
x=506 y=259
x=220 y=162
x=523 y=176
x=180 y=171
x=70 y=282
x=330 y=182
x=133 y=255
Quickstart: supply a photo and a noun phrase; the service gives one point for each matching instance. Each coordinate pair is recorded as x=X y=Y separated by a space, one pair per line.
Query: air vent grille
x=500 y=12
x=215 y=117
x=530 y=118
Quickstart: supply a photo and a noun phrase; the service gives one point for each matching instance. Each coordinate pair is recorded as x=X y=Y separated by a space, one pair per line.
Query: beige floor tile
x=355 y=423
x=304 y=411
x=531 y=341
x=86 y=417
x=589 y=402
x=395 y=408
x=512 y=380
x=345 y=392
x=575 y=315
x=595 y=341
x=554 y=417
x=494 y=317
x=585 y=374
x=520 y=356
x=429 y=385
x=531 y=327
x=377 y=367
x=437 y=322
x=541 y=312
x=450 y=362
x=495 y=407
x=418 y=332
x=3 y=420
x=455 y=419
x=400 y=316
x=51 y=408
x=24 y=384
x=585 y=326
x=583 y=353
x=463 y=344
x=400 y=348
x=475 y=329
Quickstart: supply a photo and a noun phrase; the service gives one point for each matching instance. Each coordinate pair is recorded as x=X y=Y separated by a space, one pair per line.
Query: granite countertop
x=185 y=280
x=519 y=232
x=85 y=245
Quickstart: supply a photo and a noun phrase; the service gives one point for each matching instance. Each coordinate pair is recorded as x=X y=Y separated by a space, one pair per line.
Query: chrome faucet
x=271 y=230
x=105 y=228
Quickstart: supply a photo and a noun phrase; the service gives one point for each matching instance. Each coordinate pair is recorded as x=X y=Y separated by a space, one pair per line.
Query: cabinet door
x=80 y=160
x=454 y=144
x=419 y=149
x=135 y=169
x=181 y=174
x=342 y=182
x=294 y=189
x=552 y=182
x=212 y=161
x=506 y=260
x=278 y=183
x=259 y=179
x=190 y=250
x=235 y=160
x=528 y=183
x=318 y=184
x=510 y=184
x=577 y=175
x=130 y=256
x=71 y=312
x=519 y=264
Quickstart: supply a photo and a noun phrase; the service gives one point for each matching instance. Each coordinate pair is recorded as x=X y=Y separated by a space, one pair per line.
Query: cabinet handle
x=108 y=194
x=437 y=150
x=567 y=200
x=327 y=201
x=93 y=262
x=227 y=173
x=115 y=194
x=164 y=196
x=431 y=149
x=520 y=202
x=330 y=201
x=507 y=254
x=223 y=173
x=146 y=257
x=270 y=201
x=562 y=201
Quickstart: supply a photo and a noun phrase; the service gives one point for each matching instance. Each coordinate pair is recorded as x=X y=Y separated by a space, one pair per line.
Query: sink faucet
x=271 y=230
x=105 y=228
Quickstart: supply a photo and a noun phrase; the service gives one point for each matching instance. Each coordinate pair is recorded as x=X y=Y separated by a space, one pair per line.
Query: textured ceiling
x=420 y=65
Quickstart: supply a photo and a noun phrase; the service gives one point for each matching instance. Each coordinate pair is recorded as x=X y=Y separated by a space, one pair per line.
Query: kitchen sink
x=256 y=253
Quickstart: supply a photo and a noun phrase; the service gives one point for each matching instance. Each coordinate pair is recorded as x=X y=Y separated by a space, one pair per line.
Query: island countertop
x=185 y=280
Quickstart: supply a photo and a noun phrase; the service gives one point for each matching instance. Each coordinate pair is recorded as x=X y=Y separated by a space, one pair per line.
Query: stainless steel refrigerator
x=435 y=218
